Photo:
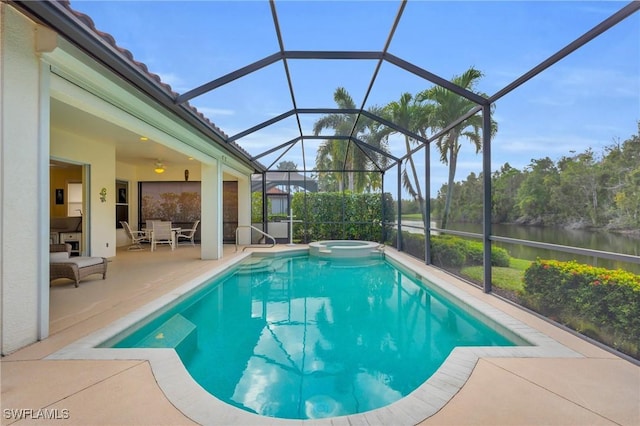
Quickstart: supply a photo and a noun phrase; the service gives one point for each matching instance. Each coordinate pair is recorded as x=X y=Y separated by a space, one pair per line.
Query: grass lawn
x=412 y=216
x=505 y=278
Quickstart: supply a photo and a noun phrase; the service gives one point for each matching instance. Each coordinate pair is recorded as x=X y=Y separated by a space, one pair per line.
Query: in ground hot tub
x=345 y=249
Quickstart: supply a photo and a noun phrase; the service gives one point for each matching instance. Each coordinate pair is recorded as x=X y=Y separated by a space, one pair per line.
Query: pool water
x=302 y=338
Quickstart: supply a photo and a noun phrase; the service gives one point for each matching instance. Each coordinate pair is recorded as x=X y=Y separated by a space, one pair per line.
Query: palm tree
x=332 y=152
x=377 y=136
x=336 y=154
x=415 y=117
x=287 y=166
x=448 y=107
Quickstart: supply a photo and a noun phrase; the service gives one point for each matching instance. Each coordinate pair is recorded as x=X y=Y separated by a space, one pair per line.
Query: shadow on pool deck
x=599 y=388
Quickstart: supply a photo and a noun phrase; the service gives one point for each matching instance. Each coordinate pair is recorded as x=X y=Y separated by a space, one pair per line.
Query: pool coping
x=344 y=249
x=196 y=403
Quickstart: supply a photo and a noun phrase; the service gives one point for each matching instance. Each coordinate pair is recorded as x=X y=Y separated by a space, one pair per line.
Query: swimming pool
x=427 y=399
x=301 y=338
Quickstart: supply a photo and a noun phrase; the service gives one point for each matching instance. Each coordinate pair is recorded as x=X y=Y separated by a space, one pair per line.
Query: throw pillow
x=58 y=256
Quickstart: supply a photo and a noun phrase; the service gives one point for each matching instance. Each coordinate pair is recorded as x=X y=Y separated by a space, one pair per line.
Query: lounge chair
x=188 y=234
x=61 y=265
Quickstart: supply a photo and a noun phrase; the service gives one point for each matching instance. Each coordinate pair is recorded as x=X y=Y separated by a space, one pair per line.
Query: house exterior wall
x=23 y=197
x=28 y=54
x=102 y=160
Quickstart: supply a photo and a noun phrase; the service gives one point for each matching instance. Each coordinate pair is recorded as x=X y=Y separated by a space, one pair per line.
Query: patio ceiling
x=281 y=84
x=129 y=149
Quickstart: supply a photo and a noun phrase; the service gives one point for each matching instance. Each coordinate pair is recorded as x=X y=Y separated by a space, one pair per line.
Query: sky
x=590 y=99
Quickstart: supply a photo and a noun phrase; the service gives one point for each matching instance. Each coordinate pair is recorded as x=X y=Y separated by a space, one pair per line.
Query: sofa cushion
x=82 y=261
x=58 y=256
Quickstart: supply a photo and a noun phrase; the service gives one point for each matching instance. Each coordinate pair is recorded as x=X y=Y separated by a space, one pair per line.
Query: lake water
x=596 y=240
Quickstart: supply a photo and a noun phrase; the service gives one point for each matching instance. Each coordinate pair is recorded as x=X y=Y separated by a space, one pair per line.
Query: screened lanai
x=407 y=99
x=510 y=126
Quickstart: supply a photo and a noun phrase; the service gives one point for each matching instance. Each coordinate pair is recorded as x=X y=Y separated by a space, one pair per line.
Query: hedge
x=575 y=294
x=340 y=215
x=449 y=251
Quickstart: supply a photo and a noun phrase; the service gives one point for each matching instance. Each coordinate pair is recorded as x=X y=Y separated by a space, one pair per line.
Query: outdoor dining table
x=174 y=232
x=174 y=238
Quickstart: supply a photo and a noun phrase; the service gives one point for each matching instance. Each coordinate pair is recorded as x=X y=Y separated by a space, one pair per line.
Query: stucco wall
x=102 y=174
x=21 y=193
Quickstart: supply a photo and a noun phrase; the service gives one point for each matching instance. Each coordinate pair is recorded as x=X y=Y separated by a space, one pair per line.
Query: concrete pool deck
x=597 y=388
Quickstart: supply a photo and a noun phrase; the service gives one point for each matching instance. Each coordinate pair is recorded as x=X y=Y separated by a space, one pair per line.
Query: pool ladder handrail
x=255 y=229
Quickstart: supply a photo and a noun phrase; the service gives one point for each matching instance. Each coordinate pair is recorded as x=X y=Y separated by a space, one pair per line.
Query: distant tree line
x=581 y=190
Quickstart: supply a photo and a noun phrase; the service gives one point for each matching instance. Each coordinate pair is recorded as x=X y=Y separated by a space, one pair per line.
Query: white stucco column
x=24 y=192
x=43 y=196
x=244 y=209
x=211 y=206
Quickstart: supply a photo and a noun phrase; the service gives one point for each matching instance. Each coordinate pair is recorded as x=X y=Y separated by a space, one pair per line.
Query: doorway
x=68 y=203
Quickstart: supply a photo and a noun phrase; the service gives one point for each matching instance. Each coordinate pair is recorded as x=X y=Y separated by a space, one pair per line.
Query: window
x=74 y=199
x=178 y=202
x=122 y=202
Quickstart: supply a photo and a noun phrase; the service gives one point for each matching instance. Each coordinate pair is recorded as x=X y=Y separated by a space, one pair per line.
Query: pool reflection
x=305 y=338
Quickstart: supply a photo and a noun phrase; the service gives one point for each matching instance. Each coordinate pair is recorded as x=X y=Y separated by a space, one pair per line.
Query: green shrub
x=572 y=293
x=340 y=215
x=475 y=254
x=448 y=251
x=500 y=257
x=256 y=207
x=413 y=244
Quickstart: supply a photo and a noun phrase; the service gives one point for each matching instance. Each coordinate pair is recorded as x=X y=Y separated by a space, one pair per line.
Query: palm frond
x=406 y=183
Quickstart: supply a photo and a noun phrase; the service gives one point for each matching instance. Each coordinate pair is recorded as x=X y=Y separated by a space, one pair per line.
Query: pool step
x=262 y=265
x=255 y=265
x=280 y=265
x=177 y=332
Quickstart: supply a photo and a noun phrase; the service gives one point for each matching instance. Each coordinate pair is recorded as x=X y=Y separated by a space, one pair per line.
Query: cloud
x=263 y=140
x=475 y=166
x=570 y=85
x=177 y=83
x=599 y=82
